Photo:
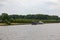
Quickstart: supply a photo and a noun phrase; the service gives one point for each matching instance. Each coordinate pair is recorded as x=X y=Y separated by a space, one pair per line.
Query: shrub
x=7 y=22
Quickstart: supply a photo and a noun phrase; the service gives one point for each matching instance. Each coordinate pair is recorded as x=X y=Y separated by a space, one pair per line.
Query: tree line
x=35 y=16
x=5 y=18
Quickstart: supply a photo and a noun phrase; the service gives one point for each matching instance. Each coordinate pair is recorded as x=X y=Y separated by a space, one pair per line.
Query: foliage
x=36 y=16
x=5 y=18
x=8 y=19
x=51 y=21
x=23 y=21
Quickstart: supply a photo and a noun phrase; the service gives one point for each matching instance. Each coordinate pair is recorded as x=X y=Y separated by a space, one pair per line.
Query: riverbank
x=6 y=19
x=51 y=21
x=4 y=24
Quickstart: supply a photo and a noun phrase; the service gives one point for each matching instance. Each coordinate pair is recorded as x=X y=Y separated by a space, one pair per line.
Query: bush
x=24 y=21
x=7 y=22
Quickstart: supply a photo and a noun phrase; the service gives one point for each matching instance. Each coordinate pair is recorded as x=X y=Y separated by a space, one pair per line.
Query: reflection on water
x=31 y=32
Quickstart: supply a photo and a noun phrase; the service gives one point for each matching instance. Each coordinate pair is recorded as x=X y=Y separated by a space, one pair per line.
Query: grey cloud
x=15 y=7
x=50 y=3
x=2 y=2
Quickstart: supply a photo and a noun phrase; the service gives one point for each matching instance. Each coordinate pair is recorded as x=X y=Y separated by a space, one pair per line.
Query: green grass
x=51 y=21
x=24 y=21
x=28 y=21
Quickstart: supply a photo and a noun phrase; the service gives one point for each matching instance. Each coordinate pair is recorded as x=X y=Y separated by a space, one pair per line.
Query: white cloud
x=30 y=6
x=2 y=2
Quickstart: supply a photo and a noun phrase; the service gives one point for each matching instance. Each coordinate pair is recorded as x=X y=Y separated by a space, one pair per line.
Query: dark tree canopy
x=5 y=17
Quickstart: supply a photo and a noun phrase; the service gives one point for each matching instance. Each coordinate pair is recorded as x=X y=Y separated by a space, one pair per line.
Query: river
x=30 y=32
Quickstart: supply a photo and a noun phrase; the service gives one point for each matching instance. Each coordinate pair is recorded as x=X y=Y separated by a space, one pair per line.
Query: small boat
x=40 y=22
x=35 y=23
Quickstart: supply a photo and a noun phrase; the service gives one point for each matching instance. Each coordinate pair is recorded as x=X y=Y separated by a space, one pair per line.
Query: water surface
x=30 y=32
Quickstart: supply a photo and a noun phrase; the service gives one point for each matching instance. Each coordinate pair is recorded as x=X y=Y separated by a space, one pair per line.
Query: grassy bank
x=6 y=19
x=24 y=20
x=4 y=24
x=51 y=21
x=28 y=21
x=33 y=20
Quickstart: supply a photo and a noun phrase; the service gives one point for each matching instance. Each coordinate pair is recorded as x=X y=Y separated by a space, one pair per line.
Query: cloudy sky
x=51 y=7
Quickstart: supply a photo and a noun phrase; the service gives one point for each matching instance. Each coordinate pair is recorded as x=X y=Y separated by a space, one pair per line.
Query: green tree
x=5 y=18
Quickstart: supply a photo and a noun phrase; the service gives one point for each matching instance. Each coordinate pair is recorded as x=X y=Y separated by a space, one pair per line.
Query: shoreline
x=3 y=24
